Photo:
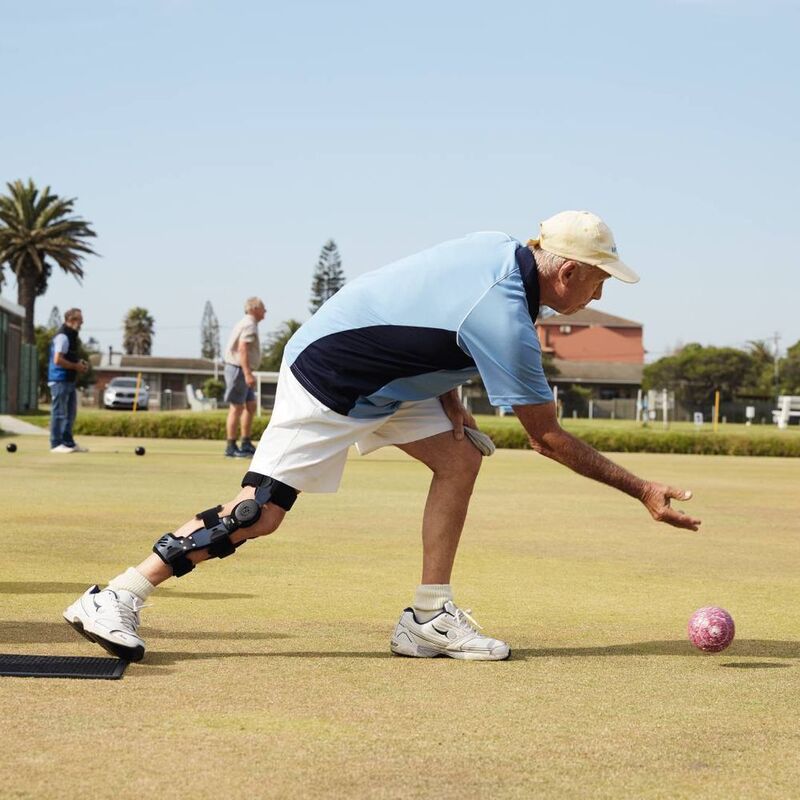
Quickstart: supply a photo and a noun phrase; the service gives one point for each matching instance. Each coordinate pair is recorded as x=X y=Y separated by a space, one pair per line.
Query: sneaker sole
x=418 y=651
x=118 y=650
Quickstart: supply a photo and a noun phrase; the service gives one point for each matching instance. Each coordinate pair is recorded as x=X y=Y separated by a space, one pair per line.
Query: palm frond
x=37 y=230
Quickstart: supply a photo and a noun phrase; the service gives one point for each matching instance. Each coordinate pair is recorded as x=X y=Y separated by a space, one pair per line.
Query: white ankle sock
x=429 y=600
x=133 y=581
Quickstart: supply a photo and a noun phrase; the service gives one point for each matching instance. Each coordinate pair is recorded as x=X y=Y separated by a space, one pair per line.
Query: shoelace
x=127 y=615
x=465 y=620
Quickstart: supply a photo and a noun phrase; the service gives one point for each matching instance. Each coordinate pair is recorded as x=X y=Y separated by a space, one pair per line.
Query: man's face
x=578 y=286
x=259 y=312
x=75 y=321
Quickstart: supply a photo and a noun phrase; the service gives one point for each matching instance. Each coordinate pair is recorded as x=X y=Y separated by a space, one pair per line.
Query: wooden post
x=716 y=410
x=136 y=393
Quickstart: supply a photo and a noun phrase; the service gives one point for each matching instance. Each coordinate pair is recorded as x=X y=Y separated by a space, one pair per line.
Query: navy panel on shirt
x=356 y=363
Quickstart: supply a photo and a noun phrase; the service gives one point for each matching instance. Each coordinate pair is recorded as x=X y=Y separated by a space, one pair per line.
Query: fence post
x=136 y=395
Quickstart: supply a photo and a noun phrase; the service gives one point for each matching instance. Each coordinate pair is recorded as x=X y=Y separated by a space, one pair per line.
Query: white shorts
x=305 y=444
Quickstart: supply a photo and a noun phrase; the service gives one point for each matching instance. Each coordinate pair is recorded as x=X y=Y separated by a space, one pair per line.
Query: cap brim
x=620 y=270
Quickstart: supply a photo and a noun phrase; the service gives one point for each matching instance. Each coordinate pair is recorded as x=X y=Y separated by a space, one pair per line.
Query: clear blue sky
x=216 y=146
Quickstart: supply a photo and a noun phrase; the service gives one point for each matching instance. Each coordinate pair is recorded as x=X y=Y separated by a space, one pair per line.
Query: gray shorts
x=236 y=389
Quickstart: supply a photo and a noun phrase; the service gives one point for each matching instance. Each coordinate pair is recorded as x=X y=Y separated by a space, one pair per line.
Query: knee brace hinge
x=214 y=536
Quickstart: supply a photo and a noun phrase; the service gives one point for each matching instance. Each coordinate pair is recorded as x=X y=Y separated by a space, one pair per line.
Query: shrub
x=647 y=441
x=159 y=426
x=215 y=388
x=211 y=425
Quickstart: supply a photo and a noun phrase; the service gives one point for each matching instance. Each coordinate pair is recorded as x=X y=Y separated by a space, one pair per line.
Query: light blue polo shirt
x=424 y=325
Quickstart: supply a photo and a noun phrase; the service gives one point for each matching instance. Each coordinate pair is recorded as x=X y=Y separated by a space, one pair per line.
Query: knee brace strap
x=270 y=490
x=214 y=536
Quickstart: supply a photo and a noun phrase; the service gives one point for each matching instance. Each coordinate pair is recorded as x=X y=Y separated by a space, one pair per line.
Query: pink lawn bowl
x=711 y=629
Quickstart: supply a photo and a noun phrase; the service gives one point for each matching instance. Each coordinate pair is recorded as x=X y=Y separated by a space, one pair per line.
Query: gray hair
x=252 y=303
x=549 y=263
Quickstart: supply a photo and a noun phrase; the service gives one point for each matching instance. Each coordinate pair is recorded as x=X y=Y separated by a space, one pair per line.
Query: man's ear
x=568 y=271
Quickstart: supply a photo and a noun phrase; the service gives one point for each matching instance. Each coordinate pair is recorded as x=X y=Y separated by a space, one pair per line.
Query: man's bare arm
x=249 y=378
x=550 y=439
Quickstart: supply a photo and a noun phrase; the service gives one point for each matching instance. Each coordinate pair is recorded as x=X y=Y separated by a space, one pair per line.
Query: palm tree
x=138 y=337
x=272 y=353
x=37 y=229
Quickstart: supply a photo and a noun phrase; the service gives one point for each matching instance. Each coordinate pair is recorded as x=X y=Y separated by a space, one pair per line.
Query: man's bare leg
x=436 y=626
x=455 y=465
x=232 y=423
x=111 y=617
x=248 y=413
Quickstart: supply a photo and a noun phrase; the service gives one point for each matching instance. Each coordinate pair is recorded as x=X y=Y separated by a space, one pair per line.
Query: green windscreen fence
x=19 y=370
x=28 y=378
x=3 y=363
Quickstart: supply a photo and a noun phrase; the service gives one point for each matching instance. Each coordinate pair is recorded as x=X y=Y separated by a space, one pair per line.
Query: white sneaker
x=109 y=618
x=452 y=633
x=78 y=449
x=62 y=448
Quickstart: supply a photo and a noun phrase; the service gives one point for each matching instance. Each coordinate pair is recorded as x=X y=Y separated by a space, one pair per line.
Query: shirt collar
x=530 y=278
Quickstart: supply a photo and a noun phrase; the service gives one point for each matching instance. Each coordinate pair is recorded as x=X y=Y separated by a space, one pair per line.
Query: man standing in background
x=63 y=367
x=242 y=356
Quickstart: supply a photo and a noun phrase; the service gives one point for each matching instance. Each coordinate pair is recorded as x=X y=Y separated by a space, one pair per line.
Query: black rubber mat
x=109 y=669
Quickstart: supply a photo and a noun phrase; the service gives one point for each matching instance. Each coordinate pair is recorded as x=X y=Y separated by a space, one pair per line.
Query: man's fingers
x=679 y=494
x=458 y=428
x=679 y=520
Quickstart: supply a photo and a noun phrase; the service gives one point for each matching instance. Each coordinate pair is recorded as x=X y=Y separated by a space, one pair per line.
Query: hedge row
x=212 y=426
x=720 y=444
x=644 y=441
x=159 y=426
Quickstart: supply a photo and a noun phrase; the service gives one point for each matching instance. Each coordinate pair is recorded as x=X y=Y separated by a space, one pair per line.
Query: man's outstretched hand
x=656 y=497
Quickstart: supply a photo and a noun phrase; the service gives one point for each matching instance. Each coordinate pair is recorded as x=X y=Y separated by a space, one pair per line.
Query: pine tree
x=209 y=333
x=328 y=275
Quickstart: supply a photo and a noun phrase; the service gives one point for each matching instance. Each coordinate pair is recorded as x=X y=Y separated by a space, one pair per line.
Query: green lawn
x=268 y=674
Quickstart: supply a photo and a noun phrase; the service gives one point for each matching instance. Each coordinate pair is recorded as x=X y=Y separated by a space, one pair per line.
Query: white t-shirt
x=60 y=343
x=245 y=330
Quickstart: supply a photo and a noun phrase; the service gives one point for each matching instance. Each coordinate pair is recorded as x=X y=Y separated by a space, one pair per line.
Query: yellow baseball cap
x=583 y=236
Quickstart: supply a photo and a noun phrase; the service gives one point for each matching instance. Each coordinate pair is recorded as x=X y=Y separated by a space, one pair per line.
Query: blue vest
x=60 y=374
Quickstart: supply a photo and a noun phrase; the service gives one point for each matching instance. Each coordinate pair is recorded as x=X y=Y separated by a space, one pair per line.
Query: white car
x=120 y=393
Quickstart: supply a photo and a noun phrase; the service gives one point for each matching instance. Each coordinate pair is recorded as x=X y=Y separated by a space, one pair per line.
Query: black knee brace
x=215 y=535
